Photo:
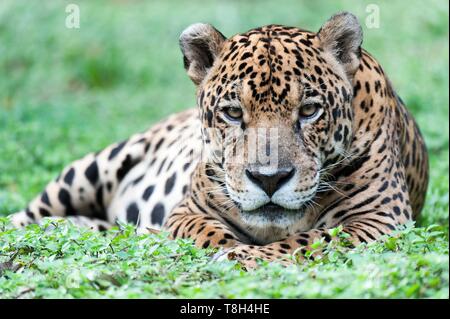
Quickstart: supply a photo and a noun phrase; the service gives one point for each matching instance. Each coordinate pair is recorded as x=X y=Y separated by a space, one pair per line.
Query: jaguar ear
x=200 y=44
x=342 y=36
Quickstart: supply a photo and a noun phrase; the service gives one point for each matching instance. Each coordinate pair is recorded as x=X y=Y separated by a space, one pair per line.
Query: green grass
x=68 y=262
x=65 y=92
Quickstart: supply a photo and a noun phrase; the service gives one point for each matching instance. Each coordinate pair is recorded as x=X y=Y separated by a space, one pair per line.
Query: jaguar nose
x=270 y=182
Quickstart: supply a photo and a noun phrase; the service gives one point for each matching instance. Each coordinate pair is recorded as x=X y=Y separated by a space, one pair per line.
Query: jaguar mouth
x=274 y=213
x=271 y=208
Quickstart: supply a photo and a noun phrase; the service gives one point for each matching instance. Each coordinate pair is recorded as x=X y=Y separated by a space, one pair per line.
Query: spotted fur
x=360 y=161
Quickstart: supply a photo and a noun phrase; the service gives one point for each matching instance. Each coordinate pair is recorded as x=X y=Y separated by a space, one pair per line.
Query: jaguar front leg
x=295 y=247
x=364 y=222
x=186 y=222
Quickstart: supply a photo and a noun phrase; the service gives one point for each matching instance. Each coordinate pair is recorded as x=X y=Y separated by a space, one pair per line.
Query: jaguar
x=294 y=133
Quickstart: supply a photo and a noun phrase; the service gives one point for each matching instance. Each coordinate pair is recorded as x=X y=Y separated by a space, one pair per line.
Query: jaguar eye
x=234 y=113
x=309 y=110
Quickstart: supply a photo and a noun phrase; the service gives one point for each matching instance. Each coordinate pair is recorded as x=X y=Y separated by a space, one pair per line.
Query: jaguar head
x=275 y=103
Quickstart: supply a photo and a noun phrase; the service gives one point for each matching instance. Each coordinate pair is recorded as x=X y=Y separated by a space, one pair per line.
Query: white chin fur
x=259 y=220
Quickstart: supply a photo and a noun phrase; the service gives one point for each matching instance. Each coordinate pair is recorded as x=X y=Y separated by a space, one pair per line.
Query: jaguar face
x=276 y=109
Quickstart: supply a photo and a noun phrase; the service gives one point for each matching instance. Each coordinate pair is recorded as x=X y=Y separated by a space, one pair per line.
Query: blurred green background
x=65 y=92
